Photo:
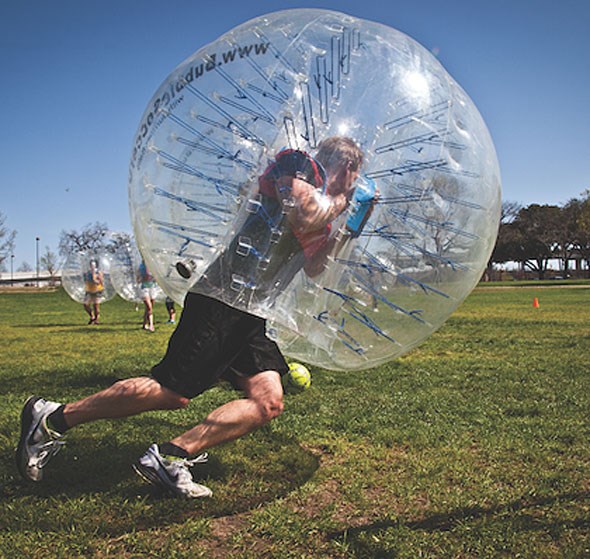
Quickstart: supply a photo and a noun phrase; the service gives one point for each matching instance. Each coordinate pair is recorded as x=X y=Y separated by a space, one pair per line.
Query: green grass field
x=474 y=445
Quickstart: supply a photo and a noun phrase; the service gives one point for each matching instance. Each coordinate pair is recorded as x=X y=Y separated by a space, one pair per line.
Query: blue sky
x=77 y=76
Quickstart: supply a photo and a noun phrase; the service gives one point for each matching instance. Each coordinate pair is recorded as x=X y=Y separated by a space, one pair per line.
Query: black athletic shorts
x=211 y=340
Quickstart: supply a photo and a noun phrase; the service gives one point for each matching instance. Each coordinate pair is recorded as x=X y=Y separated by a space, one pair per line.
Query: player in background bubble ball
x=306 y=199
x=171 y=310
x=94 y=296
x=148 y=288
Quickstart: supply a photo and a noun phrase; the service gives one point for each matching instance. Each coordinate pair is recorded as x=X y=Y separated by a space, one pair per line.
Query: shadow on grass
x=83 y=329
x=362 y=539
x=49 y=382
x=91 y=487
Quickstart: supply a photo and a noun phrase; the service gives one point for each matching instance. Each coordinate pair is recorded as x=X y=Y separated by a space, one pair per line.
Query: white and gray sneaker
x=38 y=443
x=173 y=475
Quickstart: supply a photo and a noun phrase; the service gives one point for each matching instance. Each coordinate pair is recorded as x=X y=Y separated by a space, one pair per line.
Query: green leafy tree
x=584 y=218
x=508 y=240
x=567 y=234
x=536 y=236
x=583 y=230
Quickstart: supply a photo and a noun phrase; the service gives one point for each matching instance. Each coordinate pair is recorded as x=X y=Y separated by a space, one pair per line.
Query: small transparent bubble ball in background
x=77 y=276
x=289 y=80
x=126 y=273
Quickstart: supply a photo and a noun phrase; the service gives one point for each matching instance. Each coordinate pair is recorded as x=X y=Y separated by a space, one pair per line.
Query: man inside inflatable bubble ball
x=94 y=296
x=297 y=208
x=290 y=224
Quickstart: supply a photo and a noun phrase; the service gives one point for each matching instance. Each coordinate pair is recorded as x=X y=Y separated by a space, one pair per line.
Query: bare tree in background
x=6 y=240
x=510 y=211
x=118 y=240
x=91 y=237
x=49 y=263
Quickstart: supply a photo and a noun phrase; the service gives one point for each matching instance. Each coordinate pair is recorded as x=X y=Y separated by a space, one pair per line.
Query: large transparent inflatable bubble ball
x=86 y=276
x=321 y=171
x=130 y=274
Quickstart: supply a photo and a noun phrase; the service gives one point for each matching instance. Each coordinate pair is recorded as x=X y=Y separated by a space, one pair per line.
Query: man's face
x=343 y=181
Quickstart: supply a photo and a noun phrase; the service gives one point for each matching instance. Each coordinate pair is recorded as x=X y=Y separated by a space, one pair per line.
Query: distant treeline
x=536 y=234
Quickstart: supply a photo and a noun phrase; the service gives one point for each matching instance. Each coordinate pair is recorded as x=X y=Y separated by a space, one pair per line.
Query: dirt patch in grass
x=223 y=530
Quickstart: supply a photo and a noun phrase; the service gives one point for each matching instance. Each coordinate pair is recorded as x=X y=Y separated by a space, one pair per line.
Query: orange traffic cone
x=536 y=303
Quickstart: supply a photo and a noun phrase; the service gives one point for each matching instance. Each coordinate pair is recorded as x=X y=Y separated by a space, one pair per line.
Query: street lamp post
x=37 y=256
x=12 y=270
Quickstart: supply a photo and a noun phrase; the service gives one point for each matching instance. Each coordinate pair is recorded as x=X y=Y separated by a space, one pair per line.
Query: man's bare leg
x=88 y=309
x=148 y=315
x=263 y=402
x=96 y=312
x=123 y=399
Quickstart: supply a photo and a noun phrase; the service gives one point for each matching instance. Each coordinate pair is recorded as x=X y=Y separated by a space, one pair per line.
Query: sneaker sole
x=149 y=476
x=26 y=420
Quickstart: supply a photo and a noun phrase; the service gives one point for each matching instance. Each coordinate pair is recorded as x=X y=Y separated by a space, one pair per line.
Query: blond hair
x=336 y=151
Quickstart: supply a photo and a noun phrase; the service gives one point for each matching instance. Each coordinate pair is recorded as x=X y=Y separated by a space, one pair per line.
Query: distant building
x=22 y=279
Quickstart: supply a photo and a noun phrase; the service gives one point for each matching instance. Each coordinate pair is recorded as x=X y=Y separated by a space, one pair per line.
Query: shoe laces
x=49 y=449
x=186 y=462
x=181 y=465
